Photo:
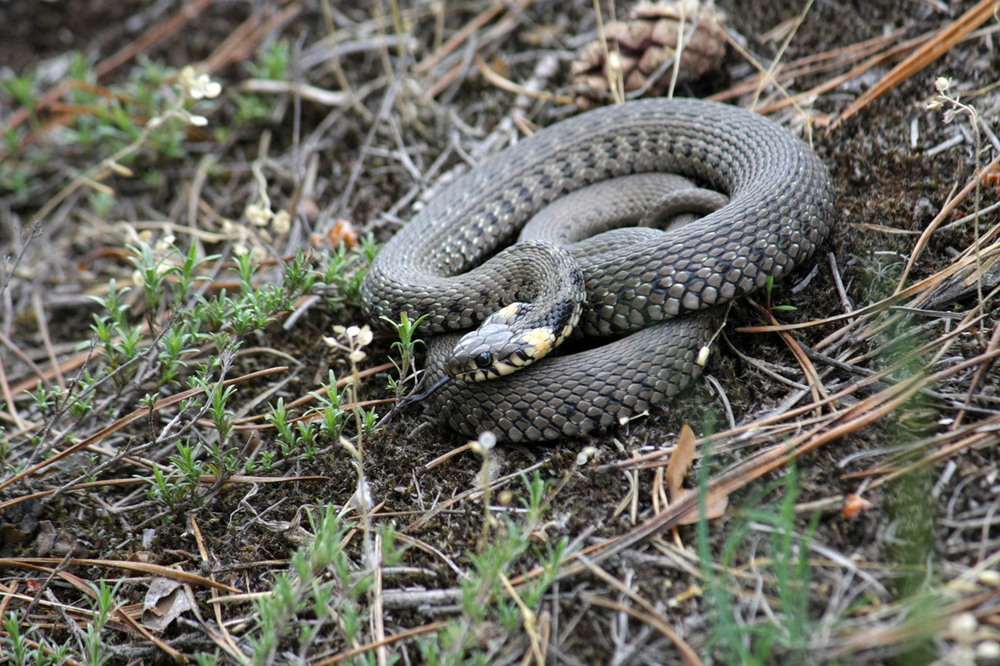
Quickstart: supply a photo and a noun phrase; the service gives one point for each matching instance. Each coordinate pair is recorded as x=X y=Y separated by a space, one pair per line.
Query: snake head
x=500 y=346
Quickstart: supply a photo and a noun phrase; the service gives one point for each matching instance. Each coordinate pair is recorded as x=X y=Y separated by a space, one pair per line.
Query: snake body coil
x=780 y=208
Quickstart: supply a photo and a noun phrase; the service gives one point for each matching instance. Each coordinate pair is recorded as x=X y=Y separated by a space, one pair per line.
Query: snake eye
x=484 y=360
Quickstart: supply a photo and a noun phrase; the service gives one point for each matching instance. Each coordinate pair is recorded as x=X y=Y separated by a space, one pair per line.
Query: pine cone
x=642 y=50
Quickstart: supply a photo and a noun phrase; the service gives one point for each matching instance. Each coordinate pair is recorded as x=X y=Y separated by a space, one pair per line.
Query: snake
x=650 y=297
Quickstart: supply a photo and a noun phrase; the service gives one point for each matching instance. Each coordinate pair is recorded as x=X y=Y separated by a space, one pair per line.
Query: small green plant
x=25 y=647
x=298 y=278
x=344 y=270
x=207 y=659
x=738 y=640
x=278 y=418
x=152 y=273
x=16 y=643
x=406 y=346
x=182 y=482
x=310 y=602
x=94 y=643
x=176 y=343
x=165 y=488
x=24 y=90
x=331 y=415
x=487 y=599
x=294 y=439
x=768 y=288
x=272 y=63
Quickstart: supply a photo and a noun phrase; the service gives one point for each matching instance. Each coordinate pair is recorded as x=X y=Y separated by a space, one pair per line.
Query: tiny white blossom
x=163 y=245
x=257 y=214
x=199 y=86
x=351 y=339
x=282 y=222
x=942 y=83
x=361 y=335
x=484 y=443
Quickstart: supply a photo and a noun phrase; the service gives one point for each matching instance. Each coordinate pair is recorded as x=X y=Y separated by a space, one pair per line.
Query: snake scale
x=449 y=263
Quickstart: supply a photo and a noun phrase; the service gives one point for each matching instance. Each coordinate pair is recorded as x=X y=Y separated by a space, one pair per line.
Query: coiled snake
x=779 y=209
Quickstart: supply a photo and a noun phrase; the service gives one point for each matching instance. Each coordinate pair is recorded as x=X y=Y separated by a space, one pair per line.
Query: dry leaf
x=853 y=505
x=334 y=232
x=165 y=600
x=680 y=461
x=715 y=506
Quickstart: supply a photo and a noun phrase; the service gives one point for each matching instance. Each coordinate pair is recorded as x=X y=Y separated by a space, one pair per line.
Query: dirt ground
x=910 y=433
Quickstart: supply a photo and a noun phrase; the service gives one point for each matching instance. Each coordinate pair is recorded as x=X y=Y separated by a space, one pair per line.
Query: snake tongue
x=411 y=399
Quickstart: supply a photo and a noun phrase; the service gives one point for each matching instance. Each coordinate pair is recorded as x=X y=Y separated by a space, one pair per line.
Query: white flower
x=487 y=440
x=942 y=83
x=199 y=86
x=360 y=335
x=354 y=339
x=165 y=242
x=257 y=214
x=282 y=222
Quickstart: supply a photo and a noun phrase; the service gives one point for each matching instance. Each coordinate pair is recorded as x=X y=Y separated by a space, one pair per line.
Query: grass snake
x=460 y=260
